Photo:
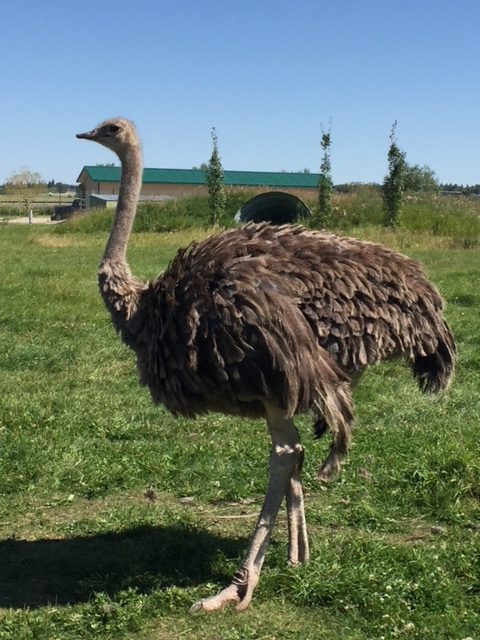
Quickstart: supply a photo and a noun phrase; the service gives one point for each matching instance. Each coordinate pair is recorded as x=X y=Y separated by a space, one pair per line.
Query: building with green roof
x=163 y=184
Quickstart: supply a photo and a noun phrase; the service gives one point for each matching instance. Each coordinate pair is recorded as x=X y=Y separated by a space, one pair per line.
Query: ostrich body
x=269 y=322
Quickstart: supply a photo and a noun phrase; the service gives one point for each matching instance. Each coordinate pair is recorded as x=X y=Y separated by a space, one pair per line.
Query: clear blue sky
x=266 y=74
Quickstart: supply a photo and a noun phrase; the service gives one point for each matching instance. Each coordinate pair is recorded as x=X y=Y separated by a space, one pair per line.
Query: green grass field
x=115 y=517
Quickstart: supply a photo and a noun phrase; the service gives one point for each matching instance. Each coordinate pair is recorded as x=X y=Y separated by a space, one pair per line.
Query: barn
x=99 y=185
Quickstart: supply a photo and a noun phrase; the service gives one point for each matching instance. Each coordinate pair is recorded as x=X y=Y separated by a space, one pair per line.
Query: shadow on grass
x=69 y=571
x=465 y=300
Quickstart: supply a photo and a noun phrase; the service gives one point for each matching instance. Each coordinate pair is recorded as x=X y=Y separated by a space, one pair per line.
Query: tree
x=325 y=184
x=25 y=186
x=394 y=182
x=419 y=178
x=216 y=183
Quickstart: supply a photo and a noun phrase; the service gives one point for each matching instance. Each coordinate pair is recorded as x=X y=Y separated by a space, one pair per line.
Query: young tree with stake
x=325 y=185
x=394 y=182
x=216 y=183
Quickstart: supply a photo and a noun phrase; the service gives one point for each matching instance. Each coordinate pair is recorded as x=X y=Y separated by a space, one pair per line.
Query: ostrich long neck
x=119 y=289
x=130 y=185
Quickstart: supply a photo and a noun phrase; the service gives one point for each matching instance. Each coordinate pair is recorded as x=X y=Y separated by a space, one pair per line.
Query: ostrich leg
x=298 y=550
x=285 y=466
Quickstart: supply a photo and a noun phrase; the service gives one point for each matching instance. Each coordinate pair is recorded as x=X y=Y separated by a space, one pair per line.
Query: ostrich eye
x=113 y=128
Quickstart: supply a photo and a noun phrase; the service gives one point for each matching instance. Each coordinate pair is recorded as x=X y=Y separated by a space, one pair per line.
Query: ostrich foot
x=239 y=592
x=284 y=479
x=327 y=473
x=330 y=468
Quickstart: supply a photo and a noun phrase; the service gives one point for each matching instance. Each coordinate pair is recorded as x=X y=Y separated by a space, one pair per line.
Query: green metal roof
x=197 y=176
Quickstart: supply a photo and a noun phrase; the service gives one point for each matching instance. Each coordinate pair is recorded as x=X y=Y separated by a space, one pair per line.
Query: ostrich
x=268 y=322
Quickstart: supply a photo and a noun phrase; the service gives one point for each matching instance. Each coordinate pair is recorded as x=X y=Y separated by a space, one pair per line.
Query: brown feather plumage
x=282 y=315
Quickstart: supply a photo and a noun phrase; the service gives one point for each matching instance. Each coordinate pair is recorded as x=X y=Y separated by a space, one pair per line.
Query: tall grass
x=188 y=213
x=456 y=218
x=455 y=221
x=443 y=216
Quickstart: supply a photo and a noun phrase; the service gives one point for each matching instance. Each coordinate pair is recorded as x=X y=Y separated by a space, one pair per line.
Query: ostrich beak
x=88 y=135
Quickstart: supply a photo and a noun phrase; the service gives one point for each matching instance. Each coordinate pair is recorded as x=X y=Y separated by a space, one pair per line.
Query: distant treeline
x=467 y=190
x=453 y=188
x=61 y=187
x=51 y=185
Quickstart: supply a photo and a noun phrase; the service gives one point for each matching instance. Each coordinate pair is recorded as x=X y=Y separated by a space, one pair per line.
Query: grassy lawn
x=115 y=517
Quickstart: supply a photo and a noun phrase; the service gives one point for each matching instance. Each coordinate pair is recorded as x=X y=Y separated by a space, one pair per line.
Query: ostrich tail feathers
x=320 y=427
x=336 y=414
x=434 y=372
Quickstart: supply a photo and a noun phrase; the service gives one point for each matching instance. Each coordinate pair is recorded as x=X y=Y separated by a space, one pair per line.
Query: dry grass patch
x=56 y=241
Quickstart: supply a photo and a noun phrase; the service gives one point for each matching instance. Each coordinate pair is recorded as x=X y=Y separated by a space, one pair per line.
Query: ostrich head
x=117 y=134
